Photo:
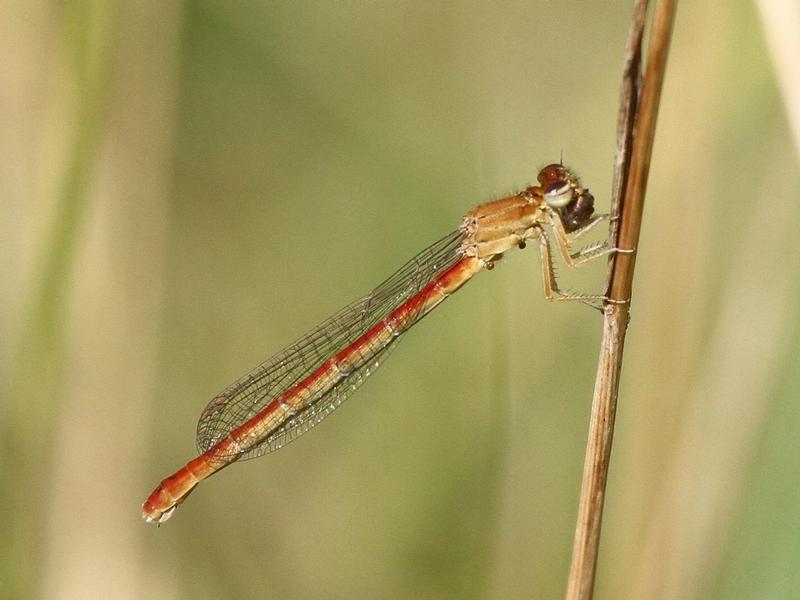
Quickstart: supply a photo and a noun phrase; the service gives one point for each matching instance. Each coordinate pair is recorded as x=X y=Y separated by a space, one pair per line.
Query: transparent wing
x=317 y=410
x=249 y=395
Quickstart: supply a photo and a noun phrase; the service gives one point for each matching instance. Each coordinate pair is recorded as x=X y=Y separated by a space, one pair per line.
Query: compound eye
x=558 y=194
x=552 y=172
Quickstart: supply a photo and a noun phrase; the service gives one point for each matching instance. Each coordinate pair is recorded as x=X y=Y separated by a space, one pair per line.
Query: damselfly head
x=558 y=185
x=562 y=191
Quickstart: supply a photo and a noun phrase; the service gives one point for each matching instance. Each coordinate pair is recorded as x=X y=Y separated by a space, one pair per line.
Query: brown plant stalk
x=636 y=130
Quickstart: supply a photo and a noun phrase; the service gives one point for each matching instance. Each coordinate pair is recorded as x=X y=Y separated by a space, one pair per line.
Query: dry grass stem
x=637 y=120
x=781 y=23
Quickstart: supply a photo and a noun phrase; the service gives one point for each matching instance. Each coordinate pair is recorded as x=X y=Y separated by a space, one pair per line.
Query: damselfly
x=298 y=387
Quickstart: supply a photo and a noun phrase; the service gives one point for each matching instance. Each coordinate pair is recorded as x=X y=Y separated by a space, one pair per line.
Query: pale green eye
x=558 y=194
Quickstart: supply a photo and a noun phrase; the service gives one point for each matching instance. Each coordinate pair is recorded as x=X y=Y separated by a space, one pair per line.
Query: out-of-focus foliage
x=188 y=187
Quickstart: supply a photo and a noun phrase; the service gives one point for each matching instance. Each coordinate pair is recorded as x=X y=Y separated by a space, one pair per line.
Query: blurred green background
x=188 y=187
